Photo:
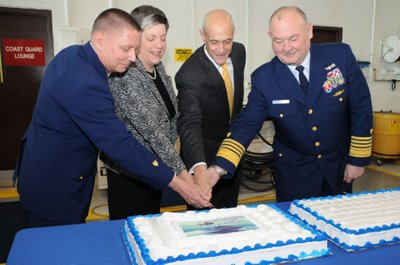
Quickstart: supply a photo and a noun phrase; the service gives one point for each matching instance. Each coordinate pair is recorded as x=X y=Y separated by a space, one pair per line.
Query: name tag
x=281 y=101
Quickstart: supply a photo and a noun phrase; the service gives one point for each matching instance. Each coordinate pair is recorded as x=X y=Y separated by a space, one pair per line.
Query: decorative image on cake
x=223 y=225
x=354 y=221
x=242 y=235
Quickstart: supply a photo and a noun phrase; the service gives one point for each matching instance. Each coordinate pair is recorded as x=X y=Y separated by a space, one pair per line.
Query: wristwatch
x=219 y=170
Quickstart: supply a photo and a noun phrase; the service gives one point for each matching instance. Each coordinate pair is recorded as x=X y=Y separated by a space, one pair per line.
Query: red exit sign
x=24 y=52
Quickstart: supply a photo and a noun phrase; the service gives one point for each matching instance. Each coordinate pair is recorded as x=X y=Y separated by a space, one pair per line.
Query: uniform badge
x=338 y=93
x=155 y=163
x=334 y=79
x=330 y=67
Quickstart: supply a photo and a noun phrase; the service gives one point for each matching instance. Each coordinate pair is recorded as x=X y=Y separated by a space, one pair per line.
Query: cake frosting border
x=361 y=231
x=148 y=260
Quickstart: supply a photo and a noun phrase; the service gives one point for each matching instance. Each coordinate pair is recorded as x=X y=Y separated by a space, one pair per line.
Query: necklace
x=154 y=76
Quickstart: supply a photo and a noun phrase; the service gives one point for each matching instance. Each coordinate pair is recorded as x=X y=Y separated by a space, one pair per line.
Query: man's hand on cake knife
x=352 y=172
x=189 y=191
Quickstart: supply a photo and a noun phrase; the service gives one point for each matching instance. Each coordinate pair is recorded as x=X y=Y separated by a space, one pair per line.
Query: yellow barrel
x=386 y=135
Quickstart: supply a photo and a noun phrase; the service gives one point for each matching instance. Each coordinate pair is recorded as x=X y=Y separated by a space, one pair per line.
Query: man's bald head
x=291 y=34
x=219 y=17
x=283 y=11
x=217 y=34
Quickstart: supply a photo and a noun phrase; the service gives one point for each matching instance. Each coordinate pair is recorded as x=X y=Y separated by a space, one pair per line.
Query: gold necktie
x=228 y=86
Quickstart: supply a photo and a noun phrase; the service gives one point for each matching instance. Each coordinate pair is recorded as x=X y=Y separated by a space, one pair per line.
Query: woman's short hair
x=147 y=15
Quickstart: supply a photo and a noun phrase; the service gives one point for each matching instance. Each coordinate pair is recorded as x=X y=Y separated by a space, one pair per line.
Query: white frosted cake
x=354 y=221
x=241 y=235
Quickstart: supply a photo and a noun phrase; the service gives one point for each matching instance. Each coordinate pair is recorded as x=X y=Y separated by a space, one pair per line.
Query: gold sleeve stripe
x=231 y=150
x=361 y=146
x=360 y=153
x=361 y=138
x=233 y=145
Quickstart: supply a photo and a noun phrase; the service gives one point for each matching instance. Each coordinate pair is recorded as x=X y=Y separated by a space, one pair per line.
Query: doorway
x=26 y=47
x=324 y=34
x=26 y=40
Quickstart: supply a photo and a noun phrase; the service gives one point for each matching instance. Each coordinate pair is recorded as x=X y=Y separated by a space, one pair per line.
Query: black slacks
x=225 y=193
x=128 y=196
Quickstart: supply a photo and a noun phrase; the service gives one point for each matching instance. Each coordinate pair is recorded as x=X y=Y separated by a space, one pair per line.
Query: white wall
x=365 y=23
x=387 y=23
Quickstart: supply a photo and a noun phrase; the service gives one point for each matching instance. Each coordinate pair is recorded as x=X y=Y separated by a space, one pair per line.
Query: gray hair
x=147 y=15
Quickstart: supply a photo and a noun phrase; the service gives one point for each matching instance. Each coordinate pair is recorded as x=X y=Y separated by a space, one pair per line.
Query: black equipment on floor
x=256 y=169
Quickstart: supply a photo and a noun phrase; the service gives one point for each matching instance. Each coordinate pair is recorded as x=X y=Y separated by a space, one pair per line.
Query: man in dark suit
x=73 y=118
x=207 y=103
x=320 y=104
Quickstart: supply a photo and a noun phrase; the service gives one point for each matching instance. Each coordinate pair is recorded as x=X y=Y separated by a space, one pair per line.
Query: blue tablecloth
x=102 y=243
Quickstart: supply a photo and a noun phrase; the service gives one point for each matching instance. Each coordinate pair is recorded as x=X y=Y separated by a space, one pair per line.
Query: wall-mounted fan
x=390 y=50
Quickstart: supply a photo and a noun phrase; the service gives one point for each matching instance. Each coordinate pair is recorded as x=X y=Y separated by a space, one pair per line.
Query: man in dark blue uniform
x=321 y=111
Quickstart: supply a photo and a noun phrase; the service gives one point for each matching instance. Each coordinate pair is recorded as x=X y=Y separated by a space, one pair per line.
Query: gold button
x=280 y=154
x=317 y=144
x=340 y=99
x=319 y=156
x=314 y=128
x=80 y=177
x=281 y=115
x=310 y=111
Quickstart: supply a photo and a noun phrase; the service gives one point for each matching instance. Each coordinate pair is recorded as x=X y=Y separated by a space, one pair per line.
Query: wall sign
x=181 y=54
x=23 y=52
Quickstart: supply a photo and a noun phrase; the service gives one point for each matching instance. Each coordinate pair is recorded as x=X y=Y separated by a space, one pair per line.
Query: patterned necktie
x=228 y=86
x=302 y=78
